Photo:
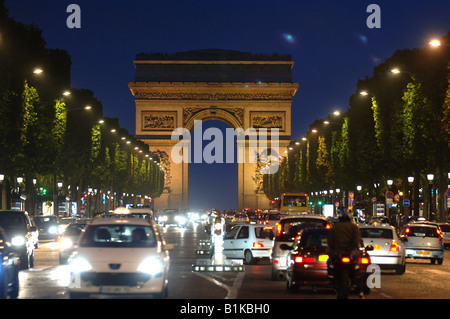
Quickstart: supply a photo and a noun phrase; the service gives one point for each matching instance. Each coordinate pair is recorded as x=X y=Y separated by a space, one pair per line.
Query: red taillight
x=278 y=229
x=394 y=246
x=304 y=260
x=328 y=226
x=257 y=245
x=364 y=260
x=345 y=259
x=407 y=230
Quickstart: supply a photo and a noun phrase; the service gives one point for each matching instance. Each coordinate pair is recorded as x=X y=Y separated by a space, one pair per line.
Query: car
x=379 y=220
x=120 y=256
x=287 y=229
x=9 y=268
x=445 y=229
x=308 y=261
x=248 y=242
x=47 y=226
x=423 y=241
x=142 y=212
x=70 y=237
x=388 y=250
x=240 y=217
x=173 y=217
x=63 y=223
x=21 y=234
x=273 y=218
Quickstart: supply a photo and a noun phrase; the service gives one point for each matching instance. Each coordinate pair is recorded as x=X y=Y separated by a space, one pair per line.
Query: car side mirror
x=285 y=247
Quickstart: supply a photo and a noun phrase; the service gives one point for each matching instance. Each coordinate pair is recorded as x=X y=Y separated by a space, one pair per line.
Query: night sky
x=329 y=41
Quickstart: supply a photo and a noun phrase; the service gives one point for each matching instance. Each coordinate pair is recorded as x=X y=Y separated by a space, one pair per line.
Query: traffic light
x=44 y=191
x=319 y=203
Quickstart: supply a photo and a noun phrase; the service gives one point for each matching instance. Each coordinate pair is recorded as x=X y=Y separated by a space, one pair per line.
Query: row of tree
x=397 y=126
x=48 y=137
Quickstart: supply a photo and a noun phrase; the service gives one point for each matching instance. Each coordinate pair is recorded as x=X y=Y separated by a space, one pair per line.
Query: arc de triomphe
x=241 y=89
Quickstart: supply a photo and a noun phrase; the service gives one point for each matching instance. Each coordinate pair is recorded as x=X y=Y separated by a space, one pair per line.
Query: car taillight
x=304 y=260
x=394 y=246
x=328 y=226
x=257 y=245
x=345 y=259
x=364 y=260
x=278 y=229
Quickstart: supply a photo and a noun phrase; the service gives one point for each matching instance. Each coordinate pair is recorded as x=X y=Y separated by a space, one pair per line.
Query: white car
x=248 y=242
x=388 y=250
x=120 y=256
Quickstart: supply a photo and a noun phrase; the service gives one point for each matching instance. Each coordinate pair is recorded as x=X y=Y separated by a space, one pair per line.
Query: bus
x=294 y=203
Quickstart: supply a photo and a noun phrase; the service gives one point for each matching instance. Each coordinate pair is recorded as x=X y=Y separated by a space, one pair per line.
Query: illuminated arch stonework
x=238 y=88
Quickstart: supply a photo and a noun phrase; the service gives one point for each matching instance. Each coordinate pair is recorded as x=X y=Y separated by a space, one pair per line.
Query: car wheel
x=400 y=270
x=248 y=257
x=440 y=261
x=433 y=261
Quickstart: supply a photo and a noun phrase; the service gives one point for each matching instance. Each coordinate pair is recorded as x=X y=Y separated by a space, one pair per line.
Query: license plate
x=114 y=290
x=420 y=252
x=323 y=258
x=446 y=241
x=376 y=247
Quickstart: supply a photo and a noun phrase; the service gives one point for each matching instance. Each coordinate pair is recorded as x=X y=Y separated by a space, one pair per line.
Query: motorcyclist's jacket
x=344 y=236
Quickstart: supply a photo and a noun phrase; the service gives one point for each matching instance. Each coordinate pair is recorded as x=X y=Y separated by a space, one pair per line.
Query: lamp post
x=411 y=195
x=2 y=199
x=19 y=182
x=388 y=200
x=430 y=178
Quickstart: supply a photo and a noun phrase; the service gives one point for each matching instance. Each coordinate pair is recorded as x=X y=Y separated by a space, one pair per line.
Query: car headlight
x=66 y=243
x=151 y=265
x=52 y=230
x=18 y=241
x=79 y=264
x=180 y=219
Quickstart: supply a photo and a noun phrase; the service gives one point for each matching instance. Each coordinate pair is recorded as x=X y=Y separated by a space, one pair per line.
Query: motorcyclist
x=344 y=237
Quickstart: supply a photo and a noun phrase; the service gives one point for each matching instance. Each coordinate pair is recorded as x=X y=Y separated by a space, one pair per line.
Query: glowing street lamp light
x=435 y=43
x=38 y=71
x=395 y=71
x=364 y=93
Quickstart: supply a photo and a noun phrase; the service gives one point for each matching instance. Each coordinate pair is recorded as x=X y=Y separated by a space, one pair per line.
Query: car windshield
x=74 y=229
x=290 y=228
x=376 y=233
x=314 y=238
x=118 y=236
x=42 y=221
x=418 y=231
x=12 y=221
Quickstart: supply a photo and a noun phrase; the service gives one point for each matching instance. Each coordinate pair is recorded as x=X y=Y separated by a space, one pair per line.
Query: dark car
x=70 y=237
x=9 y=269
x=20 y=232
x=287 y=230
x=47 y=226
x=308 y=261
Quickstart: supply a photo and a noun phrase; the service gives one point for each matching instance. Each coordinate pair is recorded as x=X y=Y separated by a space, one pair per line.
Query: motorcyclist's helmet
x=345 y=215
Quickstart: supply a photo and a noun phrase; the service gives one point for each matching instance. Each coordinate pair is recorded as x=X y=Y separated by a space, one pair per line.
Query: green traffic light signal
x=44 y=191
x=319 y=202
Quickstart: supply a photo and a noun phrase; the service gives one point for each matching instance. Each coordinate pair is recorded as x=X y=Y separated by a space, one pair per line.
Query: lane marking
x=232 y=292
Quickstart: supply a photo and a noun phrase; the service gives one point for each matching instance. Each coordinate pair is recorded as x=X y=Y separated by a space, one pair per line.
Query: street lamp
x=430 y=178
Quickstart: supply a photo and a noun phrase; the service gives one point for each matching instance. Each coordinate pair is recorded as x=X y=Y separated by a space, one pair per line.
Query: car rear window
x=264 y=232
x=314 y=239
x=445 y=228
x=376 y=233
x=418 y=231
x=118 y=236
x=290 y=228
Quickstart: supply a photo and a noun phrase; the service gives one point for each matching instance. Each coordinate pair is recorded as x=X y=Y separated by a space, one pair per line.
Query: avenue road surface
x=48 y=279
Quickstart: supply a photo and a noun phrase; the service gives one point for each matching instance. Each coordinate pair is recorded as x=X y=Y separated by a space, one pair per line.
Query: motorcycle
x=344 y=273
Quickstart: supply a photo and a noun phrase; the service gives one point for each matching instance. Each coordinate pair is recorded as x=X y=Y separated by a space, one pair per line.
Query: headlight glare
x=79 y=264
x=18 y=241
x=151 y=265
